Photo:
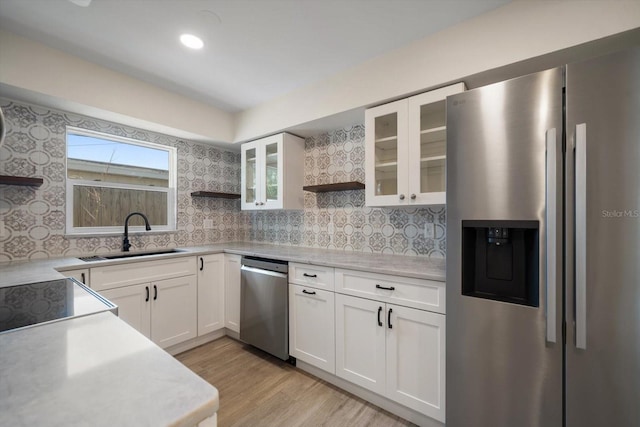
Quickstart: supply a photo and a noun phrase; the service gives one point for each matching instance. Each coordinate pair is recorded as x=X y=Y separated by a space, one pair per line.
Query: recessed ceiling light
x=191 y=41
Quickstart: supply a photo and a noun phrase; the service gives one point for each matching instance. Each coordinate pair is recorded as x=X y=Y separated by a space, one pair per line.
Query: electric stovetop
x=35 y=303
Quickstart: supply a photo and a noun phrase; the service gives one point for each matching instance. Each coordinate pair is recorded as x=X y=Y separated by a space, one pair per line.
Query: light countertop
x=96 y=370
x=18 y=272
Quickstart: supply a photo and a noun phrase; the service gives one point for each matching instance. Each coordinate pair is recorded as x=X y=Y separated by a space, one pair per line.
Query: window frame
x=171 y=190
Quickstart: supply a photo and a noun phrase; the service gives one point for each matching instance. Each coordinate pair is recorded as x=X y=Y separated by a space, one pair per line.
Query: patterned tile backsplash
x=340 y=220
x=35 y=217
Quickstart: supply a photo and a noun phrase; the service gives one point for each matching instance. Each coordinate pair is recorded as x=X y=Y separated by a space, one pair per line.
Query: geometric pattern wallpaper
x=35 y=217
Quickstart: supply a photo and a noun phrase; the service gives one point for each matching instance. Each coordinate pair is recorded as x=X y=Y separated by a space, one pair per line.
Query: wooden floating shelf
x=21 y=180
x=339 y=186
x=215 y=194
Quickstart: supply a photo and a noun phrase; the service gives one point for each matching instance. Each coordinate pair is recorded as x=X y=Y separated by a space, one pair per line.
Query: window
x=109 y=177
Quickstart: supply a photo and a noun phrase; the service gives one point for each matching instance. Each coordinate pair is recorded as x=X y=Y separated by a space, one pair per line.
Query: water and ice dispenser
x=500 y=261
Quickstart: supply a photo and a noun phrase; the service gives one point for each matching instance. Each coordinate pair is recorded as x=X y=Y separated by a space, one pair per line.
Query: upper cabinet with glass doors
x=406 y=150
x=273 y=173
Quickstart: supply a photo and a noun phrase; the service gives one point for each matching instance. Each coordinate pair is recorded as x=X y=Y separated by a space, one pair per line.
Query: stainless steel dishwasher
x=264 y=306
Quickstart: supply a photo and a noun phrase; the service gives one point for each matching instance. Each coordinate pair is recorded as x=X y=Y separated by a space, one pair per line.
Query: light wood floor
x=257 y=389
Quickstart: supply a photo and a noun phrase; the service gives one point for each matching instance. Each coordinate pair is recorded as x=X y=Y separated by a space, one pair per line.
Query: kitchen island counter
x=97 y=370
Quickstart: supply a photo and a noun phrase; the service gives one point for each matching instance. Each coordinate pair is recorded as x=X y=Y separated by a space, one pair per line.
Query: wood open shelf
x=339 y=186
x=21 y=180
x=215 y=194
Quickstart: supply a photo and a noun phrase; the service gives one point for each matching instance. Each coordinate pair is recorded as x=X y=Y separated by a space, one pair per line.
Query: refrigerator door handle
x=581 y=236
x=552 y=224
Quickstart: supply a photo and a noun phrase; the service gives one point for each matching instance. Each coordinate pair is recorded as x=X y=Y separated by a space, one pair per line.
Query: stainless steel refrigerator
x=543 y=248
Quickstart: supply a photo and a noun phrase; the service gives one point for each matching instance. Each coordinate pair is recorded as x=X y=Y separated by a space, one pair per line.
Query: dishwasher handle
x=261 y=271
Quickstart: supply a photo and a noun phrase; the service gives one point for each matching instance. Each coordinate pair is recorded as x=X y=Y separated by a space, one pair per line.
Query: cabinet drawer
x=115 y=276
x=406 y=291
x=314 y=276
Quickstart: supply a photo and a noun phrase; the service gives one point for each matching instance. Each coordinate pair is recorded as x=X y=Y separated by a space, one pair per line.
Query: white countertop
x=96 y=370
x=18 y=272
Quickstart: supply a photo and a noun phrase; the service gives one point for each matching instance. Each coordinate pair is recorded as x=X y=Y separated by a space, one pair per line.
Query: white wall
x=49 y=76
x=515 y=32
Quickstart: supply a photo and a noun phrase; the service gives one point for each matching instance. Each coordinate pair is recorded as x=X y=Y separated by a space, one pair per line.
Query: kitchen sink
x=130 y=255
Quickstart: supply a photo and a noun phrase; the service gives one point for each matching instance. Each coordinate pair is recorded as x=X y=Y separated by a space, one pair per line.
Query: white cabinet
x=416 y=359
x=417 y=293
x=210 y=293
x=390 y=337
x=311 y=326
x=316 y=276
x=232 y=264
x=158 y=298
x=117 y=276
x=360 y=342
x=163 y=310
x=81 y=275
x=134 y=306
x=405 y=152
x=273 y=173
x=173 y=311
x=395 y=351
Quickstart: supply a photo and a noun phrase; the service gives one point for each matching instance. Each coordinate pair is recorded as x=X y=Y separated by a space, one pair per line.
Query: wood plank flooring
x=257 y=389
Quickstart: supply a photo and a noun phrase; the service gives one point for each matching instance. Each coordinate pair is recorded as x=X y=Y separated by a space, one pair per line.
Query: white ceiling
x=255 y=50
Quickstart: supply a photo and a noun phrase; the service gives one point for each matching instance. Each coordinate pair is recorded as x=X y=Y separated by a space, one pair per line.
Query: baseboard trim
x=195 y=342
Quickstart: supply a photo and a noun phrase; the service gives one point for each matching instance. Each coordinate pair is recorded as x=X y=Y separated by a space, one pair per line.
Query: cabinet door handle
x=83 y=278
x=304 y=291
x=402 y=197
x=389 y=319
x=201 y=263
x=257 y=203
x=413 y=197
x=309 y=275
x=155 y=292
x=379 y=311
x=390 y=288
x=147 y=289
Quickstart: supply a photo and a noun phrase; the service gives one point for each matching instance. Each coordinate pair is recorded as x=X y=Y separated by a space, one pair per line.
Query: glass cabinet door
x=406 y=150
x=433 y=134
x=386 y=149
x=428 y=146
x=271 y=178
x=250 y=175
x=386 y=152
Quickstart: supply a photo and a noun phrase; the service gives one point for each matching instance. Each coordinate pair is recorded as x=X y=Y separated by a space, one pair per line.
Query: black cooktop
x=35 y=303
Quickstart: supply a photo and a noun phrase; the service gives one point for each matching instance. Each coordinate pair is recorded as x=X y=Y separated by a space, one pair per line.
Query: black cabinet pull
x=390 y=288
x=83 y=278
x=389 y=319
x=304 y=291
x=201 y=263
x=379 y=311
x=147 y=289
x=155 y=292
x=309 y=275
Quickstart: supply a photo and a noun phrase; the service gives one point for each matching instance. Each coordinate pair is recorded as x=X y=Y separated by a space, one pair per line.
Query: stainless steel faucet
x=125 y=243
